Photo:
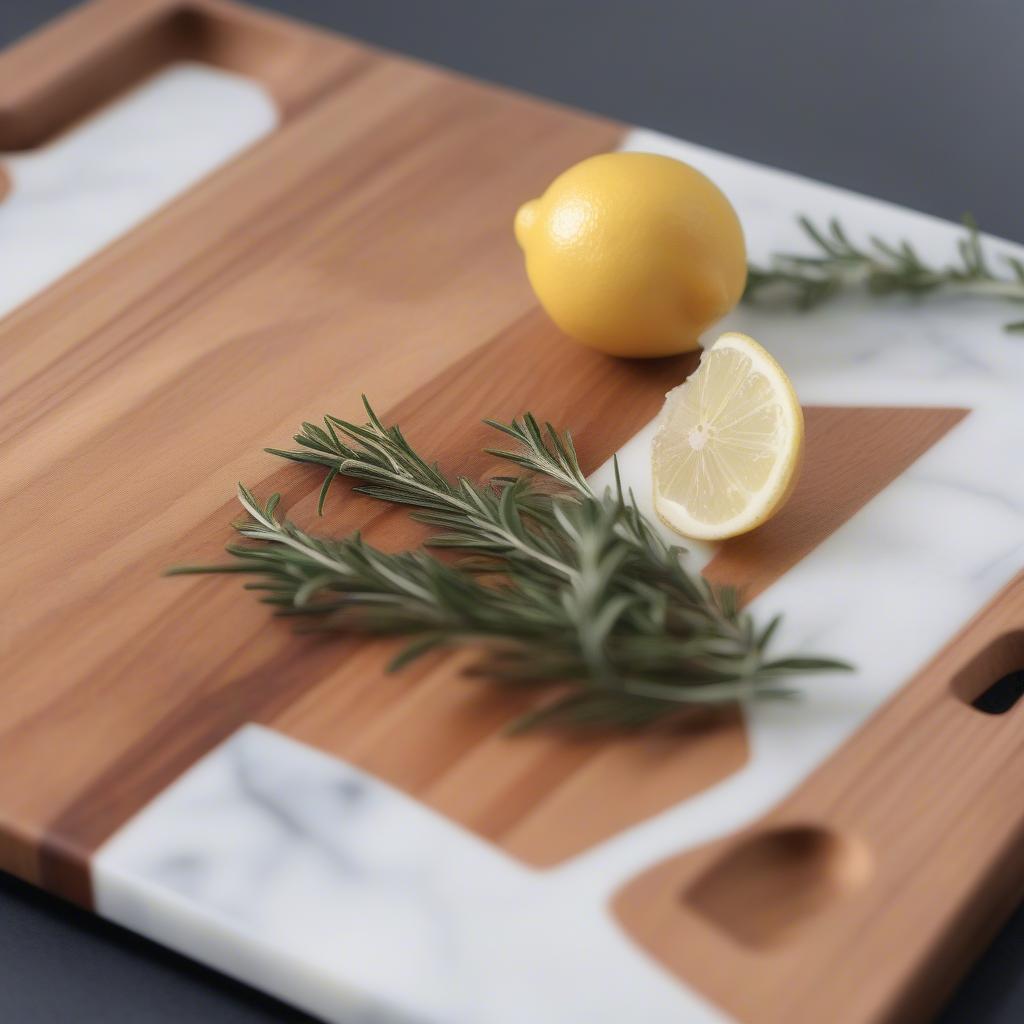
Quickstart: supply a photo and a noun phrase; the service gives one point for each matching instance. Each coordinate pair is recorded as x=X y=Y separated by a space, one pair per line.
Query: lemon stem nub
x=526 y=216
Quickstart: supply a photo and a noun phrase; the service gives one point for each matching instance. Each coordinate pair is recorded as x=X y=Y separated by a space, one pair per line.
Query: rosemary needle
x=572 y=591
x=883 y=268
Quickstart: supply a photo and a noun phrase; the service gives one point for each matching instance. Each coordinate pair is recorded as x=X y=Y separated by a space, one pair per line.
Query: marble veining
x=304 y=875
x=311 y=879
x=71 y=197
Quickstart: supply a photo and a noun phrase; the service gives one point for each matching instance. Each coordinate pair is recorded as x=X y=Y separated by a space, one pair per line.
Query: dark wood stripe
x=851 y=455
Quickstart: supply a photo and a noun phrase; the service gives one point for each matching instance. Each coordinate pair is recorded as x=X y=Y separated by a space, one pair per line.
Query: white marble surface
x=297 y=872
x=72 y=197
x=316 y=882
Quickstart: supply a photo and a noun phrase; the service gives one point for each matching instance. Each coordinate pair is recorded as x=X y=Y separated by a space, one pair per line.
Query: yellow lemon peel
x=634 y=254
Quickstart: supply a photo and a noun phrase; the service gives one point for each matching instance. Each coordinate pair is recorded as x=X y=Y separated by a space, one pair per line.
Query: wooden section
x=850 y=455
x=365 y=246
x=865 y=894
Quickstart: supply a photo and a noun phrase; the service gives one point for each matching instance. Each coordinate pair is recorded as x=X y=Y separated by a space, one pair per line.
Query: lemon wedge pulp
x=729 y=443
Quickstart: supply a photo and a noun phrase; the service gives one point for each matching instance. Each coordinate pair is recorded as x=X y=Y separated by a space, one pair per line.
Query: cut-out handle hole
x=1002 y=694
x=79 y=84
x=993 y=682
x=767 y=887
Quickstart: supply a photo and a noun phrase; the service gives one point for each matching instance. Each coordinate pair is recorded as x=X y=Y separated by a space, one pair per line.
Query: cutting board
x=216 y=224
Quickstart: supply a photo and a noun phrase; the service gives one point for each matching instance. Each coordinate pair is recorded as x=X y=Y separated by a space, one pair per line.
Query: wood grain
x=365 y=246
x=863 y=896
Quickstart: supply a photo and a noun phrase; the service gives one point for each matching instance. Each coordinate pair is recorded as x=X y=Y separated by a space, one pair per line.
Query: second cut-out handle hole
x=1002 y=694
x=993 y=682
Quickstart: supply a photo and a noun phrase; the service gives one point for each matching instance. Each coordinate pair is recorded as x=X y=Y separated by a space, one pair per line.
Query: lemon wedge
x=729 y=443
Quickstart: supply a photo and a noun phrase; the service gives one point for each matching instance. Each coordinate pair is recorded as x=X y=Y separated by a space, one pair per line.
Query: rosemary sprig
x=883 y=268
x=571 y=590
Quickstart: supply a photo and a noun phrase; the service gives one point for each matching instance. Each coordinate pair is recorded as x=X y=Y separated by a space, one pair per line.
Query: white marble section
x=303 y=875
x=75 y=195
x=306 y=877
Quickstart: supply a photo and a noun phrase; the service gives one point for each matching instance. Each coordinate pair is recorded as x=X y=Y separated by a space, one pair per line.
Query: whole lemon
x=634 y=254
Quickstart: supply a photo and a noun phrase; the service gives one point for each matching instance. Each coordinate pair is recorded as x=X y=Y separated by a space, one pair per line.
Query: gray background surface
x=916 y=101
